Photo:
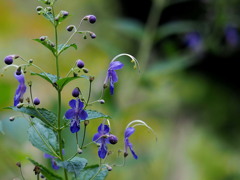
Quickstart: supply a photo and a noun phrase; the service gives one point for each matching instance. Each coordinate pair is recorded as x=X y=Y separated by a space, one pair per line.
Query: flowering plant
x=46 y=126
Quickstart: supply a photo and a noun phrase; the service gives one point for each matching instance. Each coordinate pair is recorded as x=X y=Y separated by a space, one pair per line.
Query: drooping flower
x=128 y=132
x=112 y=75
x=21 y=88
x=52 y=158
x=102 y=138
x=76 y=113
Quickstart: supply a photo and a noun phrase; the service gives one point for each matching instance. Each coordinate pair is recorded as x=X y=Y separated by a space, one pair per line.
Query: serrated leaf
x=47 y=174
x=43 y=138
x=47 y=76
x=92 y=114
x=48 y=44
x=74 y=165
x=63 y=47
x=64 y=81
x=46 y=116
x=93 y=172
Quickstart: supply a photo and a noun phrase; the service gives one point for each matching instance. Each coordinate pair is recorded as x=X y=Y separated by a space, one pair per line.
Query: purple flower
x=194 y=41
x=102 y=137
x=232 y=35
x=75 y=114
x=128 y=132
x=112 y=75
x=20 y=90
x=52 y=158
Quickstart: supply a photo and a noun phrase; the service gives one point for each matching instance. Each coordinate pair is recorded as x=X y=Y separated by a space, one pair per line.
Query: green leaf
x=48 y=117
x=93 y=172
x=49 y=16
x=43 y=138
x=64 y=81
x=47 y=76
x=130 y=27
x=177 y=27
x=44 y=171
x=63 y=47
x=74 y=165
x=48 y=44
x=92 y=114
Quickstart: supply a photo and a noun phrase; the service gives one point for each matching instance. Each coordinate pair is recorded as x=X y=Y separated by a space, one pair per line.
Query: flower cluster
x=45 y=131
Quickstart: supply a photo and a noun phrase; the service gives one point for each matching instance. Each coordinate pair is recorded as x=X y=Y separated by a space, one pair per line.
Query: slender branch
x=84 y=134
x=21 y=173
x=59 y=130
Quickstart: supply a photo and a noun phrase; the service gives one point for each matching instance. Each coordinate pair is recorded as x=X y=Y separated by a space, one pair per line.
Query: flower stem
x=149 y=32
x=84 y=134
x=59 y=130
x=21 y=173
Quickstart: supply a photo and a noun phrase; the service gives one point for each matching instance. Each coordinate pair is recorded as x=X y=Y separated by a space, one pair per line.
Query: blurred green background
x=187 y=91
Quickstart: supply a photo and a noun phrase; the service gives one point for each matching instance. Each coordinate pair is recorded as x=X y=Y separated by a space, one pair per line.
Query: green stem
x=59 y=130
x=84 y=134
x=77 y=139
x=21 y=173
x=150 y=32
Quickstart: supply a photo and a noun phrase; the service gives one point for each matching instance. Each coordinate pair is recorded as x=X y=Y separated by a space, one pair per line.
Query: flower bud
x=101 y=101
x=113 y=139
x=49 y=9
x=18 y=164
x=47 y=2
x=30 y=61
x=70 y=28
x=20 y=105
x=79 y=151
x=105 y=86
x=86 y=122
x=36 y=101
x=43 y=38
x=9 y=59
x=80 y=64
x=85 y=70
x=37 y=170
x=92 y=35
x=109 y=168
x=64 y=13
x=12 y=118
x=91 y=78
x=76 y=92
x=92 y=19
x=39 y=8
x=75 y=74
